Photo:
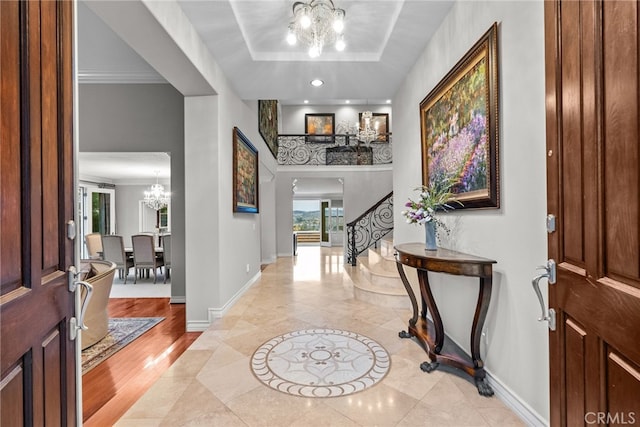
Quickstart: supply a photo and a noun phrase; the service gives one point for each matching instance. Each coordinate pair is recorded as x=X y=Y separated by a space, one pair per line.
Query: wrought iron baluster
x=369 y=227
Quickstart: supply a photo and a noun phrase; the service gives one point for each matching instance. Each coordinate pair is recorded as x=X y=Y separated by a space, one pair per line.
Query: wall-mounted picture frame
x=459 y=121
x=320 y=127
x=245 y=174
x=268 y=123
x=379 y=122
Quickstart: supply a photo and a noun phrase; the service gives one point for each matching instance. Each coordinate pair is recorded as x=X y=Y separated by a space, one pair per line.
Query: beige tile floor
x=211 y=384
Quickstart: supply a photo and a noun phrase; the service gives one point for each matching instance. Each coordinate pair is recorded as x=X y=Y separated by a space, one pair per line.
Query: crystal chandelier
x=156 y=198
x=315 y=24
x=367 y=134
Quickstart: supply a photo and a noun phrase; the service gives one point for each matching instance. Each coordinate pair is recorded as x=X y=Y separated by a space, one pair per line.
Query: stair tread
x=377 y=269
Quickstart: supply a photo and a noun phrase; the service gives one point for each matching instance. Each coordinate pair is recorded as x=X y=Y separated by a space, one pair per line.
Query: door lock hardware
x=550 y=275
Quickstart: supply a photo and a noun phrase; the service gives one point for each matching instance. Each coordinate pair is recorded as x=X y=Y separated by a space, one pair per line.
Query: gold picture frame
x=459 y=122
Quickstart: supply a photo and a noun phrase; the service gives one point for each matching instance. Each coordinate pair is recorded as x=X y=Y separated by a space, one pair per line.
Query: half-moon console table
x=431 y=337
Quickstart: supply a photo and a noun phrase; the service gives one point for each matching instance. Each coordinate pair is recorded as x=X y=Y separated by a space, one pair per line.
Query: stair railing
x=369 y=228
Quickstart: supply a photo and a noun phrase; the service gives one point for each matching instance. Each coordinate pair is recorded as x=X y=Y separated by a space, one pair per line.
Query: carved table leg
x=414 y=302
x=483 y=387
x=429 y=366
x=425 y=290
x=482 y=306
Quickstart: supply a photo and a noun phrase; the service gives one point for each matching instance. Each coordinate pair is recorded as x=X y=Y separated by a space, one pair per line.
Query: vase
x=430 y=234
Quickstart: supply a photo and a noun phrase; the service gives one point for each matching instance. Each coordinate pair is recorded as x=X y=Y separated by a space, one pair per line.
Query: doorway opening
x=307 y=221
x=111 y=201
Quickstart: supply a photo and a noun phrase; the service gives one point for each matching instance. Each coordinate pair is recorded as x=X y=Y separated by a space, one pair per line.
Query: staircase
x=376 y=279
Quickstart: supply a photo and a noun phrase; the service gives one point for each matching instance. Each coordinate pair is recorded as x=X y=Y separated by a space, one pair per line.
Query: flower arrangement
x=433 y=198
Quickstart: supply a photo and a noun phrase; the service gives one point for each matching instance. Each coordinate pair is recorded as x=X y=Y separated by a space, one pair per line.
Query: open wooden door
x=37 y=383
x=593 y=176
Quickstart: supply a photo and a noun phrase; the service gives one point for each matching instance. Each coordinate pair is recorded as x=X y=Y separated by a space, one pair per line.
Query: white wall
x=267 y=215
x=293 y=115
x=362 y=188
x=223 y=247
x=515 y=349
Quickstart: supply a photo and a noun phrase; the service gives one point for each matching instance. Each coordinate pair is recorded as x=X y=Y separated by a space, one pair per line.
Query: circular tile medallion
x=320 y=363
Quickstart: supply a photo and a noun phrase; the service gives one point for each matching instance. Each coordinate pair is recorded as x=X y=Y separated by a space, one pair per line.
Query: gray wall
x=127 y=210
x=141 y=118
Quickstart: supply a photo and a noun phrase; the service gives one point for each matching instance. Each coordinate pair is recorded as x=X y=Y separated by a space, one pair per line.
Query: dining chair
x=93 y=242
x=113 y=250
x=144 y=255
x=166 y=245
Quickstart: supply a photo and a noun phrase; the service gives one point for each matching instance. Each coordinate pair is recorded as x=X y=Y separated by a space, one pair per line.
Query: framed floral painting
x=459 y=122
x=245 y=174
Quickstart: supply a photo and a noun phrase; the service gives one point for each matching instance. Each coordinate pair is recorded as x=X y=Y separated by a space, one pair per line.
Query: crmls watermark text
x=620 y=418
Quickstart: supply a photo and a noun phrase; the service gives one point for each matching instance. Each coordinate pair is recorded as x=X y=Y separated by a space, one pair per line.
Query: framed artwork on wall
x=320 y=127
x=379 y=122
x=268 y=123
x=459 y=121
x=245 y=174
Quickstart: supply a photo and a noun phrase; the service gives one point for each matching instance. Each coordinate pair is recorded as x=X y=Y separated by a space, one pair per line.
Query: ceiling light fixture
x=316 y=82
x=156 y=198
x=315 y=24
x=367 y=134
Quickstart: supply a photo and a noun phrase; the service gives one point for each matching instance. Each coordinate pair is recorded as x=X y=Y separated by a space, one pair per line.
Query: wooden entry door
x=37 y=383
x=593 y=174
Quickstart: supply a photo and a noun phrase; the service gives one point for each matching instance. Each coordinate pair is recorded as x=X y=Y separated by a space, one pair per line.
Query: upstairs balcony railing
x=369 y=228
x=336 y=149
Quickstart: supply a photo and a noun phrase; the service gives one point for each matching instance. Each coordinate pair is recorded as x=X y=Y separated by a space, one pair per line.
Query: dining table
x=129 y=251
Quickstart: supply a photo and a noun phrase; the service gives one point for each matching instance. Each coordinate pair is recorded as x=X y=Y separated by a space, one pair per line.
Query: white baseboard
x=178 y=300
x=513 y=402
x=508 y=397
x=216 y=313
x=268 y=260
x=197 y=325
x=285 y=254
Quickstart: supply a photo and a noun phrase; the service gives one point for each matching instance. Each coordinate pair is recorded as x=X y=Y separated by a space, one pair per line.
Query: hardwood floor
x=112 y=387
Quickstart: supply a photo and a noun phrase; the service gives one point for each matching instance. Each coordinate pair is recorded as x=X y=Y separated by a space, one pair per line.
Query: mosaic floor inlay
x=320 y=363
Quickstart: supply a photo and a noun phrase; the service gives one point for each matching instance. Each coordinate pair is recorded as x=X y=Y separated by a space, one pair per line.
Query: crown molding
x=119 y=77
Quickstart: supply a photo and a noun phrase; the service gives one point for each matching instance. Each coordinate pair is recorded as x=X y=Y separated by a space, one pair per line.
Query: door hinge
x=551 y=318
x=71 y=229
x=551 y=223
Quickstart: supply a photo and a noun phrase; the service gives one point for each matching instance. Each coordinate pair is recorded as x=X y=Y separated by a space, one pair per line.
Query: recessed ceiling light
x=306 y=101
x=388 y=101
x=347 y=102
x=316 y=82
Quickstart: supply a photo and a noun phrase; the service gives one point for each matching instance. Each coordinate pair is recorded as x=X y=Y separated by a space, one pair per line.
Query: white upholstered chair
x=94 y=245
x=99 y=274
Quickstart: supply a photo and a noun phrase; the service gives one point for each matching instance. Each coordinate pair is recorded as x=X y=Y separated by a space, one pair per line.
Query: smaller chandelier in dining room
x=156 y=198
x=315 y=24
